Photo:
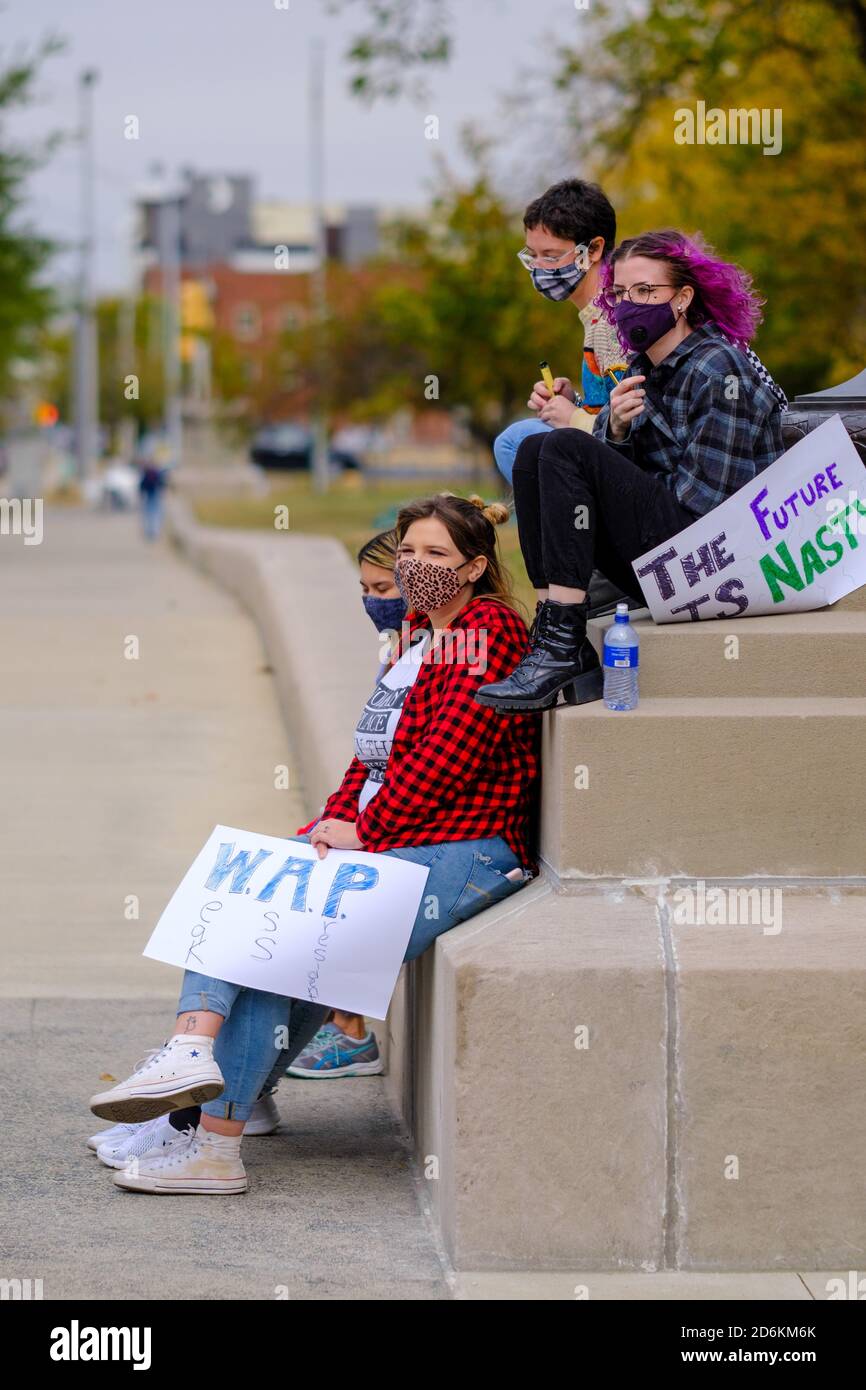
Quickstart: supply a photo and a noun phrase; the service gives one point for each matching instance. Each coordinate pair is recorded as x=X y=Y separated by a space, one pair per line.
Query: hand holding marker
x=551 y=384
x=547 y=377
x=626 y=402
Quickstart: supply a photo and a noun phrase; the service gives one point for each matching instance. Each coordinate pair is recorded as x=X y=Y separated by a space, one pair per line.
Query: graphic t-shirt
x=374 y=734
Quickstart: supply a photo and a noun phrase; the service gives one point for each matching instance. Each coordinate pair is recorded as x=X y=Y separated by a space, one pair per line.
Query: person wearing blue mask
x=382 y=600
x=343 y=1046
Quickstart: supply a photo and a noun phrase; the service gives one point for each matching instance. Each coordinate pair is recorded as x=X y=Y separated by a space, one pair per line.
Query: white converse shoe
x=153 y=1137
x=200 y=1168
x=265 y=1117
x=115 y=1133
x=180 y=1074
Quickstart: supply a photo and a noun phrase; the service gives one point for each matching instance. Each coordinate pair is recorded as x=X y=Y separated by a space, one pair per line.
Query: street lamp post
x=169 y=259
x=320 y=274
x=86 y=403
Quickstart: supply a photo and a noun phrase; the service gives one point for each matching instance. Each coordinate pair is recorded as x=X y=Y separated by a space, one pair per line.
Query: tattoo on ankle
x=191 y=1024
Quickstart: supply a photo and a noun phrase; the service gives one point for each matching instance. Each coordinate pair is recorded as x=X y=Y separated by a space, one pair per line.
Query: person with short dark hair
x=569 y=230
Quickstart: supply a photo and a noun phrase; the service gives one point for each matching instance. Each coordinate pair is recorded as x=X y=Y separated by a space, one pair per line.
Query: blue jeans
x=506 y=444
x=465 y=876
x=151 y=512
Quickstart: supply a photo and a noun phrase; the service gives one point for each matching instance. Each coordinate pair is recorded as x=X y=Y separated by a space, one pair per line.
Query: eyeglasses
x=533 y=262
x=638 y=294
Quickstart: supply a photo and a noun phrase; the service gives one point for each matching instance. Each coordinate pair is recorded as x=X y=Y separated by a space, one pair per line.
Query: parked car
x=291 y=446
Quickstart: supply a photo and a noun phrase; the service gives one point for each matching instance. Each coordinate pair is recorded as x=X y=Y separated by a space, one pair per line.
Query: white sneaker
x=112 y=1135
x=115 y=1133
x=180 y=1074
x=199 y=1168
x=152 y=1137
x=265 y=1117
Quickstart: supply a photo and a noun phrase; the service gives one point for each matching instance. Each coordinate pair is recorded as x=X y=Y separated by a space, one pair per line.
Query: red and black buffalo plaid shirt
x=457 y=770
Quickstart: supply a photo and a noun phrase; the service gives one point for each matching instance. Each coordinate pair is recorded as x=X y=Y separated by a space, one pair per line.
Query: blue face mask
x=385 y=613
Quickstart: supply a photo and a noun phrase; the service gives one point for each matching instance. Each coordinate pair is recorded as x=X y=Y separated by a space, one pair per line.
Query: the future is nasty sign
x=792 y=540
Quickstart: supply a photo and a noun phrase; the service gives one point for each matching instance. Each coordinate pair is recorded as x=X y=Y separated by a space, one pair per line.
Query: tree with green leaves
x=794 y=219
x=450 y=321
x=398 y=40
x=26 y=302
x=140 y=400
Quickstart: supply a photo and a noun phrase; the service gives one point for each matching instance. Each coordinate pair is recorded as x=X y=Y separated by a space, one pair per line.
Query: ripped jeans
x=465 y=876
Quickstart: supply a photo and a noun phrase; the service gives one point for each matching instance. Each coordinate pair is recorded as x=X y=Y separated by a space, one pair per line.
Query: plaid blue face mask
x=560 y=283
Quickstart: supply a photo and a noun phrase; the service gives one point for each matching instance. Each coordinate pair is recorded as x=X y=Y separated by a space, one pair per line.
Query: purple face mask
x=641 y=325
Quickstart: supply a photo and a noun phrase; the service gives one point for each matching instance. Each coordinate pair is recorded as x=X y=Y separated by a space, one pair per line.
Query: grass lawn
x=352 y=511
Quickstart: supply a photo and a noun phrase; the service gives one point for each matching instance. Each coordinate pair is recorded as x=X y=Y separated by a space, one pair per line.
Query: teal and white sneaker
x=333 y=1053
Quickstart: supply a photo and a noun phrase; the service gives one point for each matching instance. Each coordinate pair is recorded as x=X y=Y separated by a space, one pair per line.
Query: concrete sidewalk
x=115 y=772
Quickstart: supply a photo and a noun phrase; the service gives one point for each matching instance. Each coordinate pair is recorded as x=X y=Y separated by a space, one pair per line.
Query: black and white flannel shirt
x=709 y=425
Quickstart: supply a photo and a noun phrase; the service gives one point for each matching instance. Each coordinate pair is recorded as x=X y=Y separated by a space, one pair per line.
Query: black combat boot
x=561 y=658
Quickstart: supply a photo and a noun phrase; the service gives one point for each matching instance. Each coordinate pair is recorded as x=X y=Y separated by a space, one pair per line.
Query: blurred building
x=245 y=279
x=222 y=221
x=245 y=264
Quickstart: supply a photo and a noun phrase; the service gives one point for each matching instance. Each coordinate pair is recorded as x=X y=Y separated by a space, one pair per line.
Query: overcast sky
x=221 y=85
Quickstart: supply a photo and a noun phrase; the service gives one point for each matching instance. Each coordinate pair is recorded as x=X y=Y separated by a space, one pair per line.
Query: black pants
x=580 y=503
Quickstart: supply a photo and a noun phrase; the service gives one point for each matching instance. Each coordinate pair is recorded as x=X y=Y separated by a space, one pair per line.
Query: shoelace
x=335 y=1044
x=156 y=1055
x=193 y=1146
x=316 y=1049
x=191 y=1150
x=148 y=1057
x=318 y=1045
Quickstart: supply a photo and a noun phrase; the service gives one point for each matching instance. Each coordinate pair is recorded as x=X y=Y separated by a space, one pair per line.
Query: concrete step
x=712 y=787
x=852 y=603
x=682 y=1096
x=821 y=653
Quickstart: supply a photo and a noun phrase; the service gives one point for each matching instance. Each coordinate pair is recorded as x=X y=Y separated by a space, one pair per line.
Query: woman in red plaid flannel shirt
x=437 y=778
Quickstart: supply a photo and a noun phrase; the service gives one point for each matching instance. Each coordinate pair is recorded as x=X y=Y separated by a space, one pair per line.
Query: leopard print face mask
x=426 y=586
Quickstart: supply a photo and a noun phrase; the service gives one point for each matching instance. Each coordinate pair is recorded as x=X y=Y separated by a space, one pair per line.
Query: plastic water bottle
x=620 y=662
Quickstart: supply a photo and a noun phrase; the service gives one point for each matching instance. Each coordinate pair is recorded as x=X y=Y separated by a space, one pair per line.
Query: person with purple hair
x=689 y=424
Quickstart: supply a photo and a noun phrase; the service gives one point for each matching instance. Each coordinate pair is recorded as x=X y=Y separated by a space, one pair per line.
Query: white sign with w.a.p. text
x=266 y=912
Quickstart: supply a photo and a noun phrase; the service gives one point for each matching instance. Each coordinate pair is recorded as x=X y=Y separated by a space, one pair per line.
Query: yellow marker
x=547 y=376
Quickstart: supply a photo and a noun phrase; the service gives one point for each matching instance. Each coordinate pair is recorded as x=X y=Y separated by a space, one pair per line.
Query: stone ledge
x=705 y=1044
x=712 y=787
x=813 y=654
